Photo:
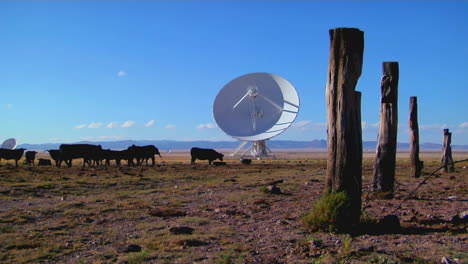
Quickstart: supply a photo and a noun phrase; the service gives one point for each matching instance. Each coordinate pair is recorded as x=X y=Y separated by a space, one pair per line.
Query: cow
x=44 y=162
x=116 y=155
x=9 y=154
x=87 y=152
x=205 y=154
x=55 y=155
x=30 y=156
x=141 y=153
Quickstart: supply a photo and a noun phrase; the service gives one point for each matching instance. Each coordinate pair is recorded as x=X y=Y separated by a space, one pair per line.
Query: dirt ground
x=176 y=212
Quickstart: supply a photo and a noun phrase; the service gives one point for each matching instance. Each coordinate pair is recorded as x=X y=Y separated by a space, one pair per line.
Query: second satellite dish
x=256 y=107
x=9 y=143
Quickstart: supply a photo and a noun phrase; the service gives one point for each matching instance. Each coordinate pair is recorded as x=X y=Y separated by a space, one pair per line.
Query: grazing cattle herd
x=94 y=155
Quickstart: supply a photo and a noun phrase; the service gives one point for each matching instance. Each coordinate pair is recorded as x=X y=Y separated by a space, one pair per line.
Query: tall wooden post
x=416 y=164
x=384 y=168
x=344 y=165
x=447 y=160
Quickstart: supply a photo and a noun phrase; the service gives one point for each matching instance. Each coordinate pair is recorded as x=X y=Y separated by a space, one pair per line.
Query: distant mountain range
x=272 y=144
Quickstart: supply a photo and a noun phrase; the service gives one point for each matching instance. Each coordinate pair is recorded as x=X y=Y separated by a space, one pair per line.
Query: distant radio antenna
x=254 y=108
x=10 y=143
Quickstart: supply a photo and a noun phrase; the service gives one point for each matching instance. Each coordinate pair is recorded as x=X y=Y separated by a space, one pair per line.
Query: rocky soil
x=181 y=213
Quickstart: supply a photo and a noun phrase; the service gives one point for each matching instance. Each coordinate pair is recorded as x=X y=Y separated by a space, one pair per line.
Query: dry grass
x=75 y=215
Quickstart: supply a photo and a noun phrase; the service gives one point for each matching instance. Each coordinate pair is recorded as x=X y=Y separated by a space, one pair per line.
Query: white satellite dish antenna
x=254 y=108
x=10 y=143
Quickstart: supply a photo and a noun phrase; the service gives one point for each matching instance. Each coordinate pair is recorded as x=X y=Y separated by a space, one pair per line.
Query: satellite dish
x=10 y=143
x=254 y=108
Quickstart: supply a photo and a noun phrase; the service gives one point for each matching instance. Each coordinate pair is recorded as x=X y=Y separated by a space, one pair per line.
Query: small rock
x=181 y=230
x=246 y=161
x=463 y=216
x=316 y=244
x=273 y=189
x=455 y=220
x=316 y=255
x=129 y=248
x=367 y=249
x=282 y=222
x=230 y=180
x=101 y=221
x=446 y=260
x=390 y=224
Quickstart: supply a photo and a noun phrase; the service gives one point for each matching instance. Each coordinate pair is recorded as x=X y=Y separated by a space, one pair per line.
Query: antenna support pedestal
x=258 y=150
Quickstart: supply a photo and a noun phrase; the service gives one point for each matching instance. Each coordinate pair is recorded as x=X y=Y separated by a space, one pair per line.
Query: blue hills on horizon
x=165 y=145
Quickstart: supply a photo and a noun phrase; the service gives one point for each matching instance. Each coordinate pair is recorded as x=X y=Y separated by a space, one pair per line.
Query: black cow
x=30 y=156
x=44 y=162
x=205 y=154
x=117 y=155
x=9 y=154
x=141 y=153
x=55 y=155
x=87 y=152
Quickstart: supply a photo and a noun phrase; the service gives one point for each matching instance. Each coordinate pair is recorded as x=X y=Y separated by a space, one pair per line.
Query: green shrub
x=138 y=257
x=327 y=213
x=264 y=189
x=229 y=257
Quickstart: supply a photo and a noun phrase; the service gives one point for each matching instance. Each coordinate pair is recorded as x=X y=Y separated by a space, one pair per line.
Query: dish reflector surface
x=9 y=143
x=256 y=106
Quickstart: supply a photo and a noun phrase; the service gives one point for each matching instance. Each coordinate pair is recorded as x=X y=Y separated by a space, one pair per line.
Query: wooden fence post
x=384 y=169
x=447 y=152
x=344 y=165
x=416 y=163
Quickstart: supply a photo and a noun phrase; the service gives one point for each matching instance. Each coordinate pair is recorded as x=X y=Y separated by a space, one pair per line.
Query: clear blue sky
x=111 y=70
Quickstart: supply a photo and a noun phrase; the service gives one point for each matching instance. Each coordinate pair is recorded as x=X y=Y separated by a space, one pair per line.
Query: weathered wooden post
x=384 y=168
x=447 y=160
x=416 y=164
x=344 y=165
